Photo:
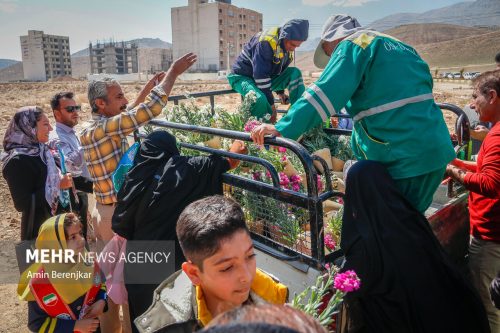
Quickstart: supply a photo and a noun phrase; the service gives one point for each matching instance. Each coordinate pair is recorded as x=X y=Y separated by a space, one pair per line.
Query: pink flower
x=257 y=175
x=284 y=158
x=284 y=180
x=251 y=124
x=275 y=229
x=282 y=149
x=295 y=181
x=327 y=266
x=329 y=242
x=319 y=183
x=347 y=282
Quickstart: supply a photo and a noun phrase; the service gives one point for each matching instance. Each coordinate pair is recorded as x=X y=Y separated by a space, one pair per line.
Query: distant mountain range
x=440 y=45
x=7 y=62
x=418 y=34
x=479 y=13
x=309 y=45
x=142 y=43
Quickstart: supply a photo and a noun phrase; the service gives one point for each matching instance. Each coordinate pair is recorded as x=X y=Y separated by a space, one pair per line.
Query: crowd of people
x=403 y=150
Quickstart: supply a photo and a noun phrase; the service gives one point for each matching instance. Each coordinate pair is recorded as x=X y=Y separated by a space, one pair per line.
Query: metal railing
x=310 y=203
x=311 y=200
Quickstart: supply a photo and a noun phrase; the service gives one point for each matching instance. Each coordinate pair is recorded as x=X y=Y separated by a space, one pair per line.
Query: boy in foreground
x=219 y=275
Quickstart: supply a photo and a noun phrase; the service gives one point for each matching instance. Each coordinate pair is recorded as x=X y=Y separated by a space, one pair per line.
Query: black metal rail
x=312 y=201
x=211 y=94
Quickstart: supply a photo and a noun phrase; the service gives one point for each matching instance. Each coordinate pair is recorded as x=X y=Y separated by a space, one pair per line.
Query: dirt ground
x=16 y=95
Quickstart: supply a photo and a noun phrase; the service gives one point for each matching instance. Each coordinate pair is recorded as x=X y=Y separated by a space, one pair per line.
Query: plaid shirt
x=102 y=141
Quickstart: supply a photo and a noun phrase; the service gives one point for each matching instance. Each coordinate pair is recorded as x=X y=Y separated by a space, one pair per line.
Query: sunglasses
x=72 y=109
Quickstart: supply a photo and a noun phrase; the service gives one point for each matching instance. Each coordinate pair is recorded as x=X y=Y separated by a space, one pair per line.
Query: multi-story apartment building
x=45 y=56
x=215 y=30
x=113 y=57
x=152 y=60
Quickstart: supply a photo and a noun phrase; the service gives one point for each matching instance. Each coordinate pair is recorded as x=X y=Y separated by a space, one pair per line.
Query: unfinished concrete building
x=113 y=57
x=214 y=30
x=153 y=60
x=45 y=56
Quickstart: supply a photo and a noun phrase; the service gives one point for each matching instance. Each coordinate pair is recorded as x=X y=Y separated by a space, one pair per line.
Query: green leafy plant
x=190 y=113
x=322 y=300
x=340 y=146
x=333 y=225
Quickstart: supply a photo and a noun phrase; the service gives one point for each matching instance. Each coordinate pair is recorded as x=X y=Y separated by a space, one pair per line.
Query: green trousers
x=290 y=79
x=420 y=190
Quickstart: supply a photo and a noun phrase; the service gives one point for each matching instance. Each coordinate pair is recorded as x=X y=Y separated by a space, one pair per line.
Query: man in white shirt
x=66 y=113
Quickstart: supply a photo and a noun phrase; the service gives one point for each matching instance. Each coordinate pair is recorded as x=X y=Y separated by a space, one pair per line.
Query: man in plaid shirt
x=104 y=140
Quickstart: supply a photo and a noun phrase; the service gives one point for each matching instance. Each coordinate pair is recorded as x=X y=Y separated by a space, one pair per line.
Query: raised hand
x=178 y=67
x=154 y=81
x=182 y=64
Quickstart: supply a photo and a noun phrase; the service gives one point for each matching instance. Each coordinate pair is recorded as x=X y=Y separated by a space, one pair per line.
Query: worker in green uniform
x=387 y=89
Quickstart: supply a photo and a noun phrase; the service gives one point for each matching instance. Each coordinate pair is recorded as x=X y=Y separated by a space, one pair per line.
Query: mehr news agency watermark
x=148 y=261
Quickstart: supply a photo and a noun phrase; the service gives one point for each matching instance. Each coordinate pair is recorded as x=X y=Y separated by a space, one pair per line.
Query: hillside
x=7 y=62
x=142 y=43
x=463 y=52
x=309 y=45
x=477 y=13
x=418 y=34
x=440 y=45
x=12 y=73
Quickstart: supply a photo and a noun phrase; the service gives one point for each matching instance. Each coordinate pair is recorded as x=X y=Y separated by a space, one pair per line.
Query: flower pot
x=214 y=143
x=338 y=174
x=328 y=216
x=278 y=235
x=256 y=226
x=245 y=169
x=324 y=154
x=289 y=170
x=337 y=164
x=303 y=243
x=330 y=205
x=338 y=185
x=229 y=189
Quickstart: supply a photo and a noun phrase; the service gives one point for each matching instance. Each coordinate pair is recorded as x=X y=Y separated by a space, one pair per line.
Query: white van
x=222 y=75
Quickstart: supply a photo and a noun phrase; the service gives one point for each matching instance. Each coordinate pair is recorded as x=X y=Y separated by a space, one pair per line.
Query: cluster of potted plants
x=287 y=224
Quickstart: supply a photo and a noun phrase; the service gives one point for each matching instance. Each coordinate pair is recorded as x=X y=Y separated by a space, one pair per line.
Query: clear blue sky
x=89 y=20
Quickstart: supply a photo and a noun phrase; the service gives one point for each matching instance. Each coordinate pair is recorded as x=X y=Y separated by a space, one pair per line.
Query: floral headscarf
x=20 y=139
